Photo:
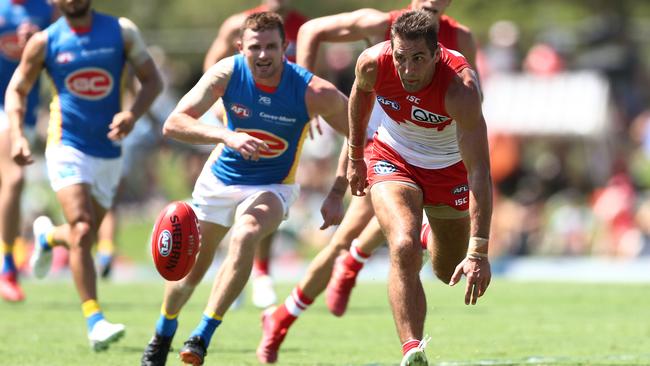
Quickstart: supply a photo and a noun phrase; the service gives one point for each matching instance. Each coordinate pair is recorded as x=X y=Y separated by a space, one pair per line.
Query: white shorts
x=216 y=202
x=67 y=166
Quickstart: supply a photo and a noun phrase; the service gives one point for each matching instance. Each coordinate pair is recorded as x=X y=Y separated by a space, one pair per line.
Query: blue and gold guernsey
x=12 y=14
x=86 y=67
x=279 y=118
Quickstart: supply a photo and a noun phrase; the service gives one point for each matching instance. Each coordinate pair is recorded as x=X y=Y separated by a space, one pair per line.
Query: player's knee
x=406 y=253
x=82 y=234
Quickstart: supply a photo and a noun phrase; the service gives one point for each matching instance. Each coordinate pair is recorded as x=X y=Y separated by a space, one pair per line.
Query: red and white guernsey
x=417 y=125
x=447 y=35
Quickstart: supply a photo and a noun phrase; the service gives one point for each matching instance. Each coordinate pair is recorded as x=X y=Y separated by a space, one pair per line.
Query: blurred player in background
x=84 y=53
x=249 y=186
x=21 y=19
x=430 y=152
x=358 y=228
x=224 y=45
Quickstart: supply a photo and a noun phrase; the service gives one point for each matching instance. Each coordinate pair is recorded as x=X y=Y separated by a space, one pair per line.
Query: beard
x=76 y=13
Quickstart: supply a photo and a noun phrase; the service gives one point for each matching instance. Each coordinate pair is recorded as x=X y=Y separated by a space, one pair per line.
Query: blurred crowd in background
x=557 y=193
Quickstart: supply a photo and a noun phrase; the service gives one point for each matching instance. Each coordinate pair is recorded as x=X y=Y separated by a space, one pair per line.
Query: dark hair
x=262 y=21
x=416 y=24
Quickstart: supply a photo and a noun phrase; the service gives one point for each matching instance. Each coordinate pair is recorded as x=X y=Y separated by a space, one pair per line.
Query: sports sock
x=409 y=345
x=293 y=306
x=8 y=265
x=424 y=235
x=209 y=323
x=355 y=259
x=92 y=312
x=106 y=247
x=47 y=242
x=167 y=323
x=261 y=267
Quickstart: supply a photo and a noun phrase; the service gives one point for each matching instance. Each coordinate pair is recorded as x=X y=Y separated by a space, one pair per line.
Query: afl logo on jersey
x=9 y=46
x=90 y=83
x=240 y=111
x=277 y=145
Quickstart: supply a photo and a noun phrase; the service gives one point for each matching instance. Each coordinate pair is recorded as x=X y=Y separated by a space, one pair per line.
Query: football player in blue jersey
x=21 y=19
x=84 y=53
x=249 y=186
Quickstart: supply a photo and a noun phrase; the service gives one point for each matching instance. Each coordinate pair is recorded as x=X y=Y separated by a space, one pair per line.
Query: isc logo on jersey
x=277 y=145
x=90 y=83
x=426 y=119
x=9 y=46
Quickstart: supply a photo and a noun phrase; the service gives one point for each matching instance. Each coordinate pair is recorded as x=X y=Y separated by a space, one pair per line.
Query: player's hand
x=248 y=146
x=121 y=125
x=314 y=125
x=332 y=210
x=357 y=177
x=20 y=151
x=478 y=276
x=24 y=31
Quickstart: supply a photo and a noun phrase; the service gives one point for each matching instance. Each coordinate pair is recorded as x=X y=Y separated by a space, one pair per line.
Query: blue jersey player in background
x=85 y=54
x=19 y=20
x=250 y=185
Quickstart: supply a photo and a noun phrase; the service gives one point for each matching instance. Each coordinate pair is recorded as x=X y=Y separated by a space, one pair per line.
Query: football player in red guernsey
x=430 y=153
x=359 y=231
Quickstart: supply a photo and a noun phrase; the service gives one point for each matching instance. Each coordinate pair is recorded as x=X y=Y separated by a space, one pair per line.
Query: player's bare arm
x=183 y=123
x=345 y=27
x=22 y=81
x=145 y=71
x=463 y=103
x=467 y=45
x=224 y=44
x=332 y=209
x=324 y=99
x=361 y=101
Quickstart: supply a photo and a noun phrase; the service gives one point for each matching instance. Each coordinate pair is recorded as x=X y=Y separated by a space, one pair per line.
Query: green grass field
x=515 y=324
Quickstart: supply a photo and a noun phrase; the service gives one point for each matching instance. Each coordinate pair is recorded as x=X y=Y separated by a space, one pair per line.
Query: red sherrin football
x=175 y=241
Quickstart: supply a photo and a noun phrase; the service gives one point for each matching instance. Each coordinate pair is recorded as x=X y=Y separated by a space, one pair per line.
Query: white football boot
x=416 y=356
x=105 y=333
x=263 y=292
x=41 y=259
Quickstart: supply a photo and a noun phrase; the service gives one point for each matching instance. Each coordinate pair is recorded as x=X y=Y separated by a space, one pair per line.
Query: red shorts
x=367 y=151
x=446 y=186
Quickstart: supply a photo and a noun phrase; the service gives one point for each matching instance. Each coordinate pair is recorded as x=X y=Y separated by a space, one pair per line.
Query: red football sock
x=355 y=259
x=424 y=235
x=261 y=267
x=293 y=306
x=409 y=345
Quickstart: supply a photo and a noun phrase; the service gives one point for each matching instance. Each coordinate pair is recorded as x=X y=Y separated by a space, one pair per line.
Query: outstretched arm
x=22 y=81
x=361 y=101
x=463 y=102
x=345 y=27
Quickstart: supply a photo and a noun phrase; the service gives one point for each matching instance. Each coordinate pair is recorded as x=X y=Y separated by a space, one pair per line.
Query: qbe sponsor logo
x=90 y=83
x=422 y=115
x=384 y=167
